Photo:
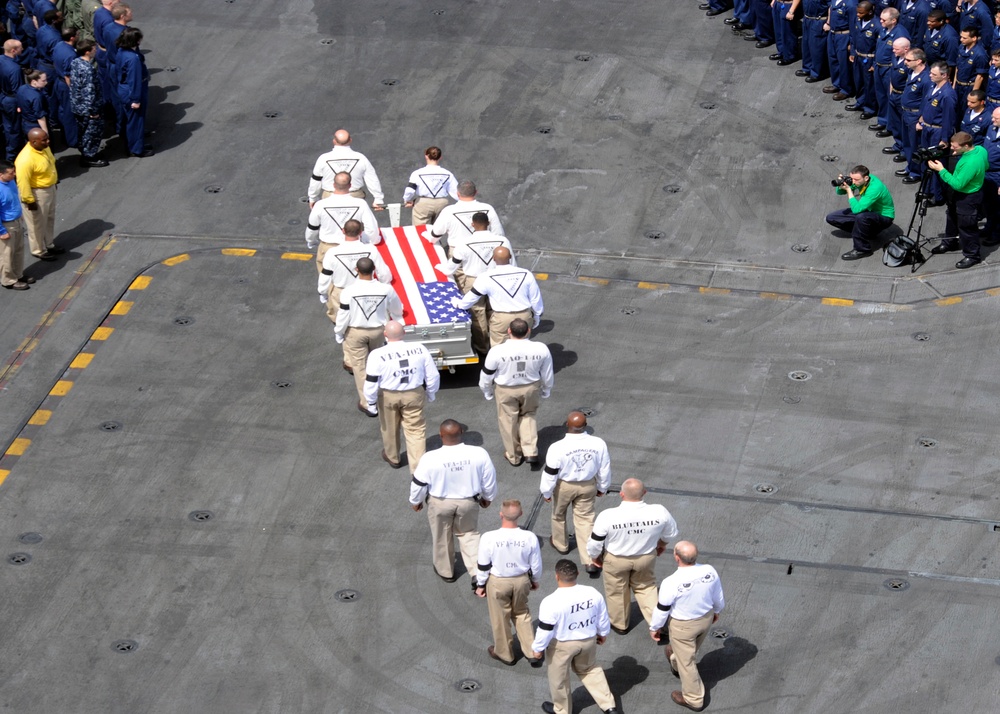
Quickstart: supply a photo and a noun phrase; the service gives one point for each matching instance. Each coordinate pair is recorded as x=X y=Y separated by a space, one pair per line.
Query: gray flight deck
x=195 y=518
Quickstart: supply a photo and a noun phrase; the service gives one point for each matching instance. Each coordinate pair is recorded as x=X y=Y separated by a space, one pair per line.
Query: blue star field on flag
x=437 y=299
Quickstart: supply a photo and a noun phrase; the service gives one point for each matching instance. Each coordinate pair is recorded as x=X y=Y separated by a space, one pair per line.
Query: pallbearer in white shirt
x=510 y=563
x=518 y=372
x=577 y=470
x=692 y=599
x=455 y=480
x=572 y=621
x=631 y=537
x=343 y=158
x=429 y=188
x=455 y=221
x=397 y=374
x=340 y=267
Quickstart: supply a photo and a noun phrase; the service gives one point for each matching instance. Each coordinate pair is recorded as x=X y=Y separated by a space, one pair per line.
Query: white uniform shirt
x=327 y=219
x=454 y=471
x=474 y=255
x=510 y=289
x=687 y=594
x=340 y=265
x=575 y=613
x=431 y=182
x=508 y=553
x=399 y=366
x=367 y=303
x=515 y=363
x=455 y=221
x=344 y=158
x=632 y=528
x=576 y=457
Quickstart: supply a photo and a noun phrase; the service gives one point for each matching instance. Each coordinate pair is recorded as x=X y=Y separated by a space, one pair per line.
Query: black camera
x=842 y=181
x=931 y=153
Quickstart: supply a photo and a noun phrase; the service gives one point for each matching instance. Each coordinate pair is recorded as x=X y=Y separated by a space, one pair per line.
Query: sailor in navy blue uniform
x=937 y=118
x=11 y=79
x=898 y=74
x=884 y=56
x=913 y=17
x=917 y=84
x=991 y=183
x=940 y=40
x=976 y=120
x=763 y=28
x=973 y=67
x=993 y=81
x=63 y=55
x=786 y=31
x=864 y=37
x=838 y=41
x=814 y=60
x=977 y=14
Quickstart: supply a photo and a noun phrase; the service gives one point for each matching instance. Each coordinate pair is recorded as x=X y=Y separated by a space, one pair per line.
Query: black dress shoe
x=855 y=255
x=868 y=115
x=47 y=257
x=531 y=459
x=703 y=6
x=31 y=281
x=944 y=247
x=740 y=27
x=967 y=263
x=361 y=408
x=761 y=44
x=876 y=127
x=902 y=173
x=911 y=179
x=812 y=80
x=830 y=90
x=751 y=38
x=883 y=134
x=55 y=250
x=548 y=708
x=840 y=96
x=678 y=698
x=899 y=159
x=491 y=653
x=891 y=150
x=561 y=552
x=19 y=285
x=592 y=570
x=536 y=662
x=398 y=465
x=713 y=13
x=801 y=73
x=774 y=56
x=785 y=63
x=854 y=108
x=731 y=21
x=935 y=203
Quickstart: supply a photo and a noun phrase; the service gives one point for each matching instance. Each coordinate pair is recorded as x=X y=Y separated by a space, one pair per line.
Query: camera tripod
x=920 y=206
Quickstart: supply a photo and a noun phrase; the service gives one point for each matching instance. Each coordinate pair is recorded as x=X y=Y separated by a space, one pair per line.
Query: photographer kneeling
x=964 y=196
x=870 y=210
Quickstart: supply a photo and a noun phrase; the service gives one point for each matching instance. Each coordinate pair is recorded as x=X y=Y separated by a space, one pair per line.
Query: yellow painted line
x=40 y=417
x=102 y=333
x=111 y=242
x=81 y=361
x=714 y=291
x=70 y=292
x=775 y=296
x=177 y=259
x=4 y=473
x=18 y=447
x=541 y=276
x=297 y=256
x=61 y=388
x=843 y=302
x=122 y=307
x=948 y=301
x=239 y=251
x=140 y=283
x=30 y=345
x=595 y=281
x=992 y=291
x=653 y=286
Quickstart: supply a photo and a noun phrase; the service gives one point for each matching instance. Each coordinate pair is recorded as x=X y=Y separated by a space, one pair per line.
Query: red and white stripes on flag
x=411 y=260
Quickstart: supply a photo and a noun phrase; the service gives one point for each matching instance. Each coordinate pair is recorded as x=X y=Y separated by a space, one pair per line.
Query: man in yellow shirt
x=36 y=181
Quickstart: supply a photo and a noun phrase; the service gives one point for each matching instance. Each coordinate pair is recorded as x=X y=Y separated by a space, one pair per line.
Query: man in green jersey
x=870 y=210
x=964 y=196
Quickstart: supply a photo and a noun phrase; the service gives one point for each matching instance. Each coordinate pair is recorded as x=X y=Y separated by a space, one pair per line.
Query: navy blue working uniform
x=39 y=8
x=941 y=45
x=913 y=16
x=763 y=22
x=744 y=12
x=992 y=38
x=937 y=117
x=46 y=38
x=976 y=126
x=785 y=31
x=133 y=88
x=102 y=17
x=864 y=37
x=109 y=34
x=976 y=15
x=991 y=184
x=898 y=74
x=837 y=42
x=972 y=63
x=910 y=103
x=63 y=55
x=11 y=78
x=814 y=60
x=13 y=8
x=948 y=6
x=33 y=106
x=993 y=88
x=883 y=68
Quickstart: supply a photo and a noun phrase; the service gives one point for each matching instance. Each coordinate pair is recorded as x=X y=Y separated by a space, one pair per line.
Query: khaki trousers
x=581 y=656
x=320 y=252
x=333 y=302
x=624 y=575
x=12 y=253
x=516 y=408
x=425 y=210
x=452 y=518
x=500 y=321
x=507 y=599
x=41 y=223
x=686 y=637
x=358 y=342
x=403 y=410
x=480 y=323
x=580 y=495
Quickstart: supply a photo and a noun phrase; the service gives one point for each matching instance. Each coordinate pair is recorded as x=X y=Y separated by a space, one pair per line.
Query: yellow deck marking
x=4 y=473
x=81 y=361
x=541 y=276
x=61 y=388
x=140 y=283
x=594 y=281
x=714 y=291
x=122 y=307
x=775 y=296
x=40 y=417
x=948 y=301
x=844 y=302
x=102 y=333
x=297 y=256
x=239 y=251
x=18 y=447
x=177 y=259
x=653 y=286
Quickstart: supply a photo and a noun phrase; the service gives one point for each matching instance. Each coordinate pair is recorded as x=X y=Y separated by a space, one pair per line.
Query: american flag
x=425 y=293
